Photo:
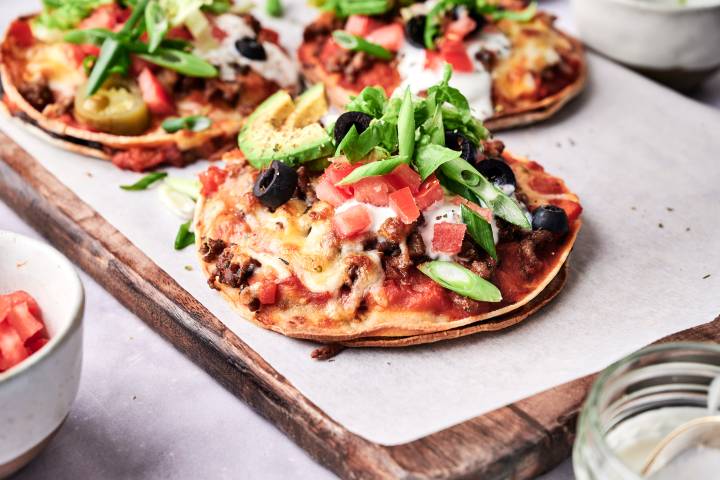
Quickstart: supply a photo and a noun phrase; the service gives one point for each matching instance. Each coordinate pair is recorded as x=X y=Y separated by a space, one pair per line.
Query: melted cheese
x=53 y=63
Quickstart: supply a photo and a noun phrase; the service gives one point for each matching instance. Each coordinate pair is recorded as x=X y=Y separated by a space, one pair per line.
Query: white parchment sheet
x=646 y=165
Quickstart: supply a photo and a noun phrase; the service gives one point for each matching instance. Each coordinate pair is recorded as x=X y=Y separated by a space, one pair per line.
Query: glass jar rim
x=592 y=414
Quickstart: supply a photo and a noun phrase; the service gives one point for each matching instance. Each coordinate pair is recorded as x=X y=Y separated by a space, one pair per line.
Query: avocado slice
x=280 y=129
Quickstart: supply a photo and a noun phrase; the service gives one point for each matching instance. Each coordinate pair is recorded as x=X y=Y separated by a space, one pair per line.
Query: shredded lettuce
x=65 y=14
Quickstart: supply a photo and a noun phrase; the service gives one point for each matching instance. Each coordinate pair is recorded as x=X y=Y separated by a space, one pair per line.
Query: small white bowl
x=36 y=395
x=675 y=42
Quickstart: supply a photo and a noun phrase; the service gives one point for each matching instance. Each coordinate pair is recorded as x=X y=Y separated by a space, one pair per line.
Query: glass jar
x=635 y=402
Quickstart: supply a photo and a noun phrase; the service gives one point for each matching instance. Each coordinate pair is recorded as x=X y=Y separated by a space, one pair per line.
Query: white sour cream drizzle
x=278 y=66
x=476 y=85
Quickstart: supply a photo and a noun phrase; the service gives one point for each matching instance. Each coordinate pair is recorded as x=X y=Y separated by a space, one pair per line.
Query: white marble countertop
x=146 y=411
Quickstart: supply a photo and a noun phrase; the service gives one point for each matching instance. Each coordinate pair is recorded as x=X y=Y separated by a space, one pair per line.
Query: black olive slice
x=457 y=141
x=251 y=48
x=551 y=218
x=275 y=185
x=347 y=120
x=497 y=171
x=415 y=30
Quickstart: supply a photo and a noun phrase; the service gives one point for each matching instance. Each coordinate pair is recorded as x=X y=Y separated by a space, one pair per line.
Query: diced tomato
x=336 y=171
x=373 y=190
x=36 y=343
x=433 y=60
x=211 y=179
x=24 y=323
x=218 y=33
x=12 y=350
x=429 y=192
x=327 y=192
x=179 y=33
x=110 y=16
x=137 y=65
x=351 y=222
x=5 y=306
x=455 y=53
x=572 y=209
x=405 y=176
x=21 y=33
x=391 y=37
x=361 y=25
x=458 y=29
x=268 y=35
x=79 y=52
x=485 y=213
x=154 y=94
x=21 y=296
x=448 y=237
x=267 y=291
x=403 y=203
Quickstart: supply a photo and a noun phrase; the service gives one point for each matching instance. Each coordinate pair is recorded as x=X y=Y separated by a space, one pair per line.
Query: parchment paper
x=646 y=164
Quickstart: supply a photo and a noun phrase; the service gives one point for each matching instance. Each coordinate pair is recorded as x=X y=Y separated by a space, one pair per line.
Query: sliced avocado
x=264 y=143
x=309 y=107
x=281 y=130
x=275 y=110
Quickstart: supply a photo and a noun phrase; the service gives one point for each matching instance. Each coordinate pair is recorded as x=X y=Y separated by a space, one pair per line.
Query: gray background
x=145 y=411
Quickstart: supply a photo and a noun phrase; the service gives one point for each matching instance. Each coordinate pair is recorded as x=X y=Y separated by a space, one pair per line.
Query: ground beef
x=211 y=249
x=398 y=267
x=529 y=248
x=37 y=94
x=485 y=267
x=479 y=261
x=491 y=149
x=252 y=22
x=487 y=58
x=415 y=245
x=231 y=272
x=322 y=27
x=359 y=63
x=216 y=90
x=305 y=190
x=394 y=230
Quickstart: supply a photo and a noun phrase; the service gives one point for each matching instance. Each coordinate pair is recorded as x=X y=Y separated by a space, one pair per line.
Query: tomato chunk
x=339 y=170
x=373 y=190
x=12 y=350
x=403 y=203
x=110 y=16
x=454 y=53
x=391 y=37
x=429 y=192
x=24 y=323
x=405 y=176
x=327 y=192
x=546 y=184
x=572 y=209
x=351 y=222
x=360 y=25
x=21 y=32
x=448 y=237
x=211 y=179
x=485 y=213
x=154 y=94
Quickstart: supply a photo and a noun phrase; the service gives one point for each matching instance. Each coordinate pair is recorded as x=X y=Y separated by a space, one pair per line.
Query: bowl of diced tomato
x=41 y=310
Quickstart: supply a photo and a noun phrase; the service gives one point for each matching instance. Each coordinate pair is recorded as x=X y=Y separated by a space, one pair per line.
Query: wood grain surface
x=519 y=441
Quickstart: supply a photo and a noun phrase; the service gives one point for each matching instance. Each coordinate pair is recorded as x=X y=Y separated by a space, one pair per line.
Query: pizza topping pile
x=418 y=180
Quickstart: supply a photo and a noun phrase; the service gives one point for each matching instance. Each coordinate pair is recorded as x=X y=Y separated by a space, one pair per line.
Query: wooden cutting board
x=519 y=441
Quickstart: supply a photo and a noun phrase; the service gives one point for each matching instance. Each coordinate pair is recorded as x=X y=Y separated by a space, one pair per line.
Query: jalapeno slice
x=116 y=108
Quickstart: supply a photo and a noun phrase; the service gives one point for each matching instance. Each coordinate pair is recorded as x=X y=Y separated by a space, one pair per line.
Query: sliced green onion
x=479 y=229
x=354 y=43
x=184 y=237
x=145 y=181
x=101 y=70
x=274 y=8
x=430 y=157
x=194 y=123
x=188 y=186
x=406 y=127
x=177 y=202
x=381 y=167
x=461 y=280
x=182 y=62
x=157 y=25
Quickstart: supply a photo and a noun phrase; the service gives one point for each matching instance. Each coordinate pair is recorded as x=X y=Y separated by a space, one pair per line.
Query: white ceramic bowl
x=676 y=42
x=36 y=395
